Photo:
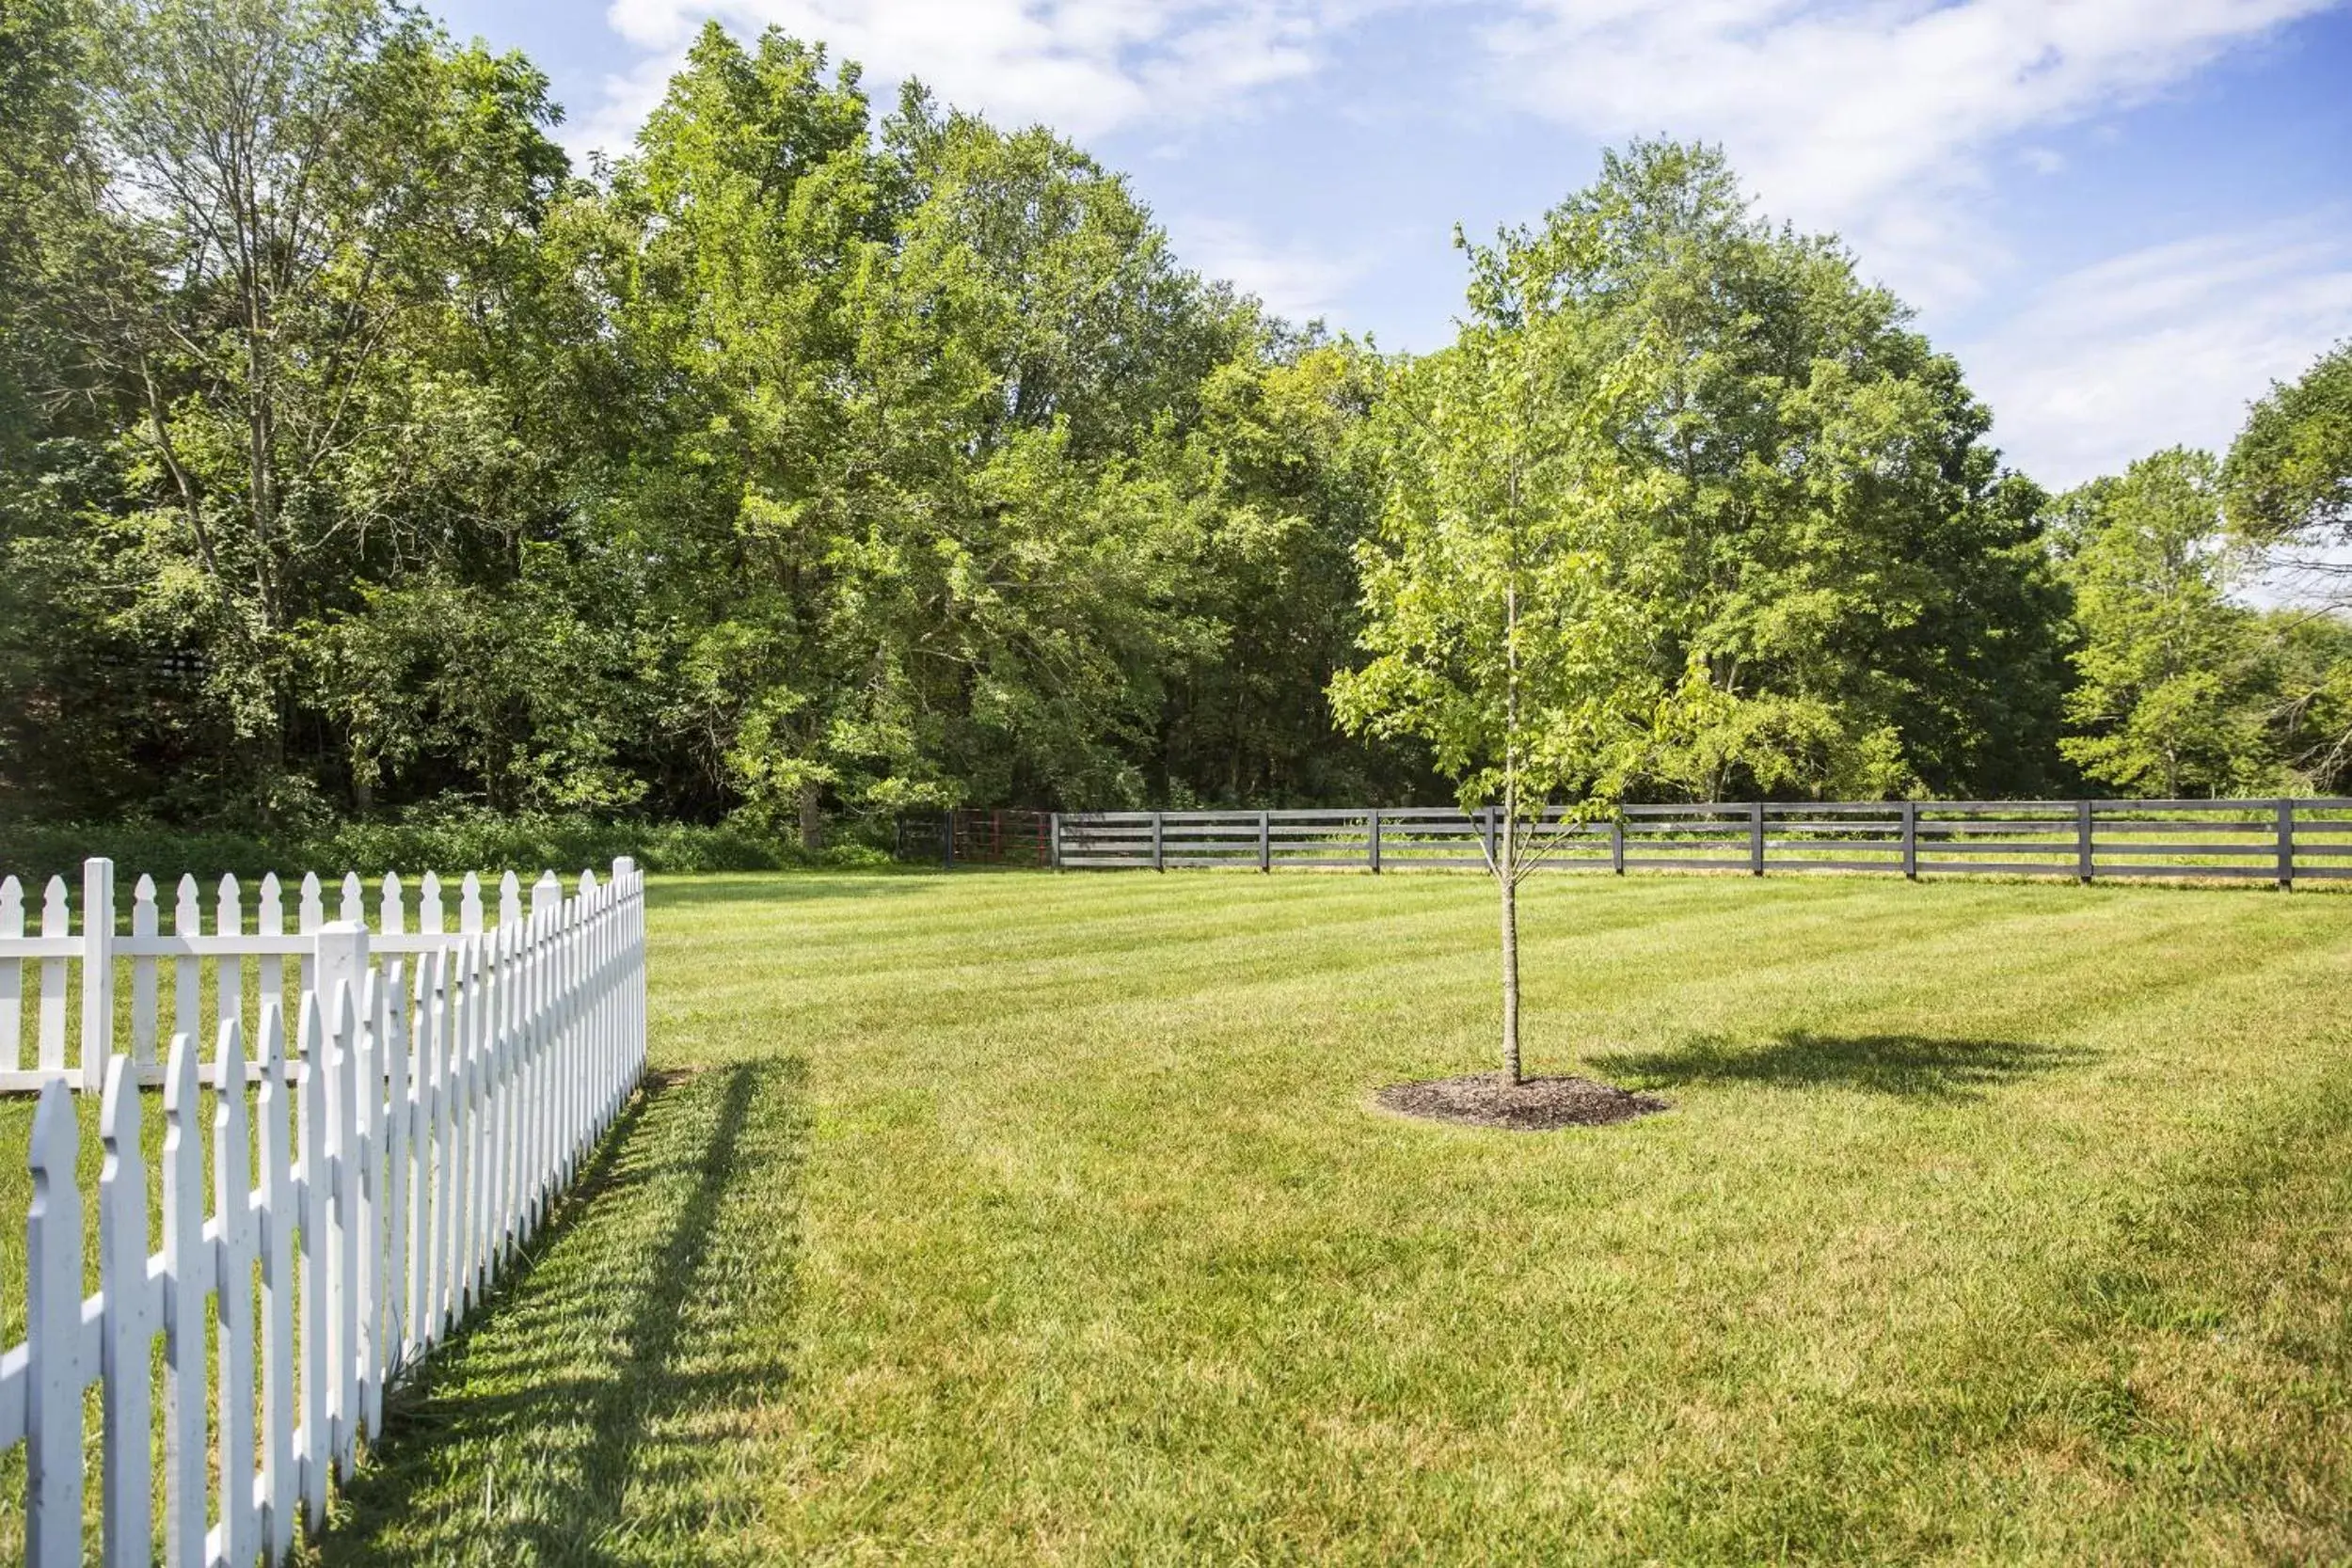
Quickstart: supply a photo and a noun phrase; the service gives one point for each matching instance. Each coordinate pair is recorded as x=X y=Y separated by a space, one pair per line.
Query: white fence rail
x=59 y=1008
x=436 y=1099
x=2280 y=841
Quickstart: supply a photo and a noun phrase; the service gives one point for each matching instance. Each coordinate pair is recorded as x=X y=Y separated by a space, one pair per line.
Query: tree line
x=813 y=461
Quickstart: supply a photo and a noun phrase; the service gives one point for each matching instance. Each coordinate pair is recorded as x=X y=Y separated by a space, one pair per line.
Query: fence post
x=98 y=970
x=1911 y=840
x=1159 y=857
x=1266 y=841
x=1490 y=815
x=1616 y=844
x=1053 y=852
x=341 y=954
x=948 y=839
x=2286 y=846
x=1755 y=838
x=1372 y=848
x=2082 y=840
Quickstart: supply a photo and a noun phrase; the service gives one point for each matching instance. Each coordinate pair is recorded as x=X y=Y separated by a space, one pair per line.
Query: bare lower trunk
x=1510 y=980
x=812 y=819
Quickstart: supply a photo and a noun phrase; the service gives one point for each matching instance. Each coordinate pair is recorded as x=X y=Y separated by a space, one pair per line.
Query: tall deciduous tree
x=1510 y=588
x=2289 y=475
x=2173 y=677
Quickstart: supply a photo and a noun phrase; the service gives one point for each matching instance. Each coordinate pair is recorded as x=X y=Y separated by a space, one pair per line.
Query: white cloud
x=1084 y=66
x=2160 y=347
x=1295 y=281
x=1874 y=117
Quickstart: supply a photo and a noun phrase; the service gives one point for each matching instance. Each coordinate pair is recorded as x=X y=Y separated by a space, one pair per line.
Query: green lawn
x=1014 y=1218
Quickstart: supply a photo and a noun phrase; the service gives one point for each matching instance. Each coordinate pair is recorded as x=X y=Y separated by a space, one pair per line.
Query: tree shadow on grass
x=601 y=1406
x=1915 y=1067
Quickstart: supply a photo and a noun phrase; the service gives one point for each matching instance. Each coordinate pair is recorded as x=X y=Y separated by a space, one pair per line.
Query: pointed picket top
x=546 y=892
x=392 y=916
x=429 y=917
x=187 y=915
x=469 y=903
x=229 y=909
x=271 y=909
x=510 y=899
x=587 y=883
x=12 y=907
x=55 y=915
x=313 y=908
x=355 y=900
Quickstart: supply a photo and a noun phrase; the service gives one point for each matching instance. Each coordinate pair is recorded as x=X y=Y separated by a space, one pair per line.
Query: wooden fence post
x=98 y=970
x=1372 y=843
x=1755 y=838
x=1266 y=841
x=1053 y=852
x=2286 y=846
x=1911 y=840
x=1616 y=844
x=1159 y=856
x=2083 y=864
x=1491 y=847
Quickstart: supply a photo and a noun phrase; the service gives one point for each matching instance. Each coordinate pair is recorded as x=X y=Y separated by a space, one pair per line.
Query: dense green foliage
x=812 y=462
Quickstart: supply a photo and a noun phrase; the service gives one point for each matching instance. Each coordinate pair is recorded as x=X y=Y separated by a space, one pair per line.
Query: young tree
x=1507 y=591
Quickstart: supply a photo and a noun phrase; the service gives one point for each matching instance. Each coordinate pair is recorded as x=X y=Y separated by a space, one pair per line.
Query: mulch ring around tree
x=1533 y=1105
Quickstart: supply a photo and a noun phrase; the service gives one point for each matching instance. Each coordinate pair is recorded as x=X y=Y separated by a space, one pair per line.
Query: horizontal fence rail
x=63 y=980
x=2280 y=841
x=365 y=1188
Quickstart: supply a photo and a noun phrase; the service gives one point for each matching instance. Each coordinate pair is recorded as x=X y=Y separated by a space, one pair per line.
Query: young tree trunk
x=1510 y=980
x=812 y=819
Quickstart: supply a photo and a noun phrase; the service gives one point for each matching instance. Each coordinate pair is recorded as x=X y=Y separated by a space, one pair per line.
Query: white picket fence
x=78 y=972
x=436 y=1100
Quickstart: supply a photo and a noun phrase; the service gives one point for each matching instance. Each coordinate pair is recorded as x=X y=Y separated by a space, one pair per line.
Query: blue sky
x=2124 y=216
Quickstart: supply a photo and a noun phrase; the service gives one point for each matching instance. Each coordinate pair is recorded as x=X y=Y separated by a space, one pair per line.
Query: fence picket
x=187 y=920
x=144 y=1023
x=12 y=976
x=313 y=1445
x=273 y=1210
x=367 y=1109
x=53 y=1337
x=54 y=922
x=269 y=920
x=233 y=1299
x=185 y=1494
x=228 y=974
x=126 y=1349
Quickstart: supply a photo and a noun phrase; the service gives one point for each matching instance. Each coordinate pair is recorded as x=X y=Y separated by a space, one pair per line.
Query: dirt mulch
x=1535 y=1105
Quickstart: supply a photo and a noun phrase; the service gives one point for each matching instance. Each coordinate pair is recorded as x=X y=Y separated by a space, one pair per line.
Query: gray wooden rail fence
x=2282 y=841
